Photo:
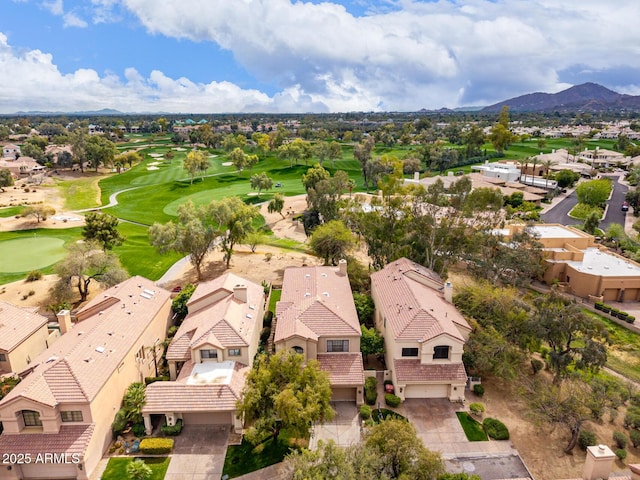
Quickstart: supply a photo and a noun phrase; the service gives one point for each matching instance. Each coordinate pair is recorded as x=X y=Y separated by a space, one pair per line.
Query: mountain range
x=588 y=97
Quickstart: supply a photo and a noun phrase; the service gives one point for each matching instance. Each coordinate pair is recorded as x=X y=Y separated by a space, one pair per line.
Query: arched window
x=31 y=418
x=441 y=352
x=297 y=349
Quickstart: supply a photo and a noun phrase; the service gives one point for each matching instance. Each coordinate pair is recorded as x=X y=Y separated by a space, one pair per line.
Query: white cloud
x=54 y=6
x=72 y=20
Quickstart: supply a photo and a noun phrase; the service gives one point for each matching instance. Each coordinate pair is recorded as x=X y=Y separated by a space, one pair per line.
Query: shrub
x=620 y=439
x=634 y=435
x=268 y=319
x=34 y=276
x=632 y=419
x=392 y=400
x=476 y=408
x=621 y=453
x=156 y=446
x=587 y=439
x=138 y=429
x=370 y=390
x=264 y=335
x=172 y=431
x=179 y=303
x=119 y=422
x=478 y=389
x=365 y=412
x=172 y=330
x=536 y=365
x=496 y=429
x=150 y=380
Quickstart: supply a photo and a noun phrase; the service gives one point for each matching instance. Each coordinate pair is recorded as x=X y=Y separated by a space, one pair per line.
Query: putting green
x=204 y=197
x=26 y=254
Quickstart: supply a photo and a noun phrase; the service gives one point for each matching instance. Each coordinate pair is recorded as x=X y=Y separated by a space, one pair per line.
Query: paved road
x=560 y=213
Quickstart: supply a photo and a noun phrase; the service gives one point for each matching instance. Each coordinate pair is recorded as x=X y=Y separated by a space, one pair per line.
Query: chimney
x=448 y=292
x=240 y=293
x=64 y=321
x=342 y=267
x=598 y=463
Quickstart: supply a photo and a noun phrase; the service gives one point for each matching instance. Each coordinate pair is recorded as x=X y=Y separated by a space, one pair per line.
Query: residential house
x=424 y=333
x=210 y=355
x=60 y=415
x=10 y=151
x=316 y=317
x=23 y=336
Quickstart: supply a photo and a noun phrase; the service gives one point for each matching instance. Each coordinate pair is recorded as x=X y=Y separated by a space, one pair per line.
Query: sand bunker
x=153 y=164
x=156 y=155
x=153 y=168
x=179 y=149
x=227 y=164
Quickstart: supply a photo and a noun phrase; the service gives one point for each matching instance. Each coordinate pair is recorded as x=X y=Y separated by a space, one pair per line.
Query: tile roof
x=70 y=439
x=81 y=361
x=414 y=371
x=17 y=324
x=343 y=368
x=217 y=317
x=182 y=396
x=316 y=301
x=409 y=296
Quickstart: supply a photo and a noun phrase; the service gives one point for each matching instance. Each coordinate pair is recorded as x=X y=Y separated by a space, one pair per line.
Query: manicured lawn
x=11 y=211
x=472 y=428
x=245 y=458
x=276 y=294
x=31 y=253
x=81 y=193
x=117 y=467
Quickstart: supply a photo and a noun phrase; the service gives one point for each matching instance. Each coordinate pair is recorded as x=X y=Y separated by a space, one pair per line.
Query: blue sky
x=208 y=56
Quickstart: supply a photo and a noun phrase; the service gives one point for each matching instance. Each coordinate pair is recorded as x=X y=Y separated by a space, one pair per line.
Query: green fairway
x=31 y=253
x=11 y=211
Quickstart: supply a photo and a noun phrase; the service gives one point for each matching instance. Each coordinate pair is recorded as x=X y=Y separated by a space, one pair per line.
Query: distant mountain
x=104 y=111
x=588 y=97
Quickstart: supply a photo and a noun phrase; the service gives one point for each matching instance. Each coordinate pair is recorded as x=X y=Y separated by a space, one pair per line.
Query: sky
x=283 y=56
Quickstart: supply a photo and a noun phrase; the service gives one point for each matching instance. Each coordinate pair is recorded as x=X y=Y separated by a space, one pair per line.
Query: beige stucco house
x=66 y=405
x=23 y=336
x=424 y=333
x=210 y=355
x=316 y=317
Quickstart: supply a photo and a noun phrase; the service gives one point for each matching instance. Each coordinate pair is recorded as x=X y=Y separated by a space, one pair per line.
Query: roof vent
x=100 y=349
x=307 y=275
x=249 y=315
x=52 y=358
x=252 y=307
x=149 y=292
x=146 y=295
x=326 y=294
x=324 y=275
x=88 y=360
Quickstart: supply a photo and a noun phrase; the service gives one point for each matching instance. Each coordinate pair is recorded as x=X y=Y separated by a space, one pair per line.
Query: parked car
x=625 y=207
x=278 y=185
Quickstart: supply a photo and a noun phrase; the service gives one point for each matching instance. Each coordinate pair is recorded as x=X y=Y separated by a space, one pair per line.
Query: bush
x=264 y=335
x=172 y=330
x=370 y=390
x=172 y=431
x=632 y=419
x=620 y=439
x=138 y=430
x=476 y=408
x=587 y=439
x=495 y=429
x=621 y=453
x=150 y=380
x=179 y=303
x=634 y=435
x=478 y=389
x=392 y=400
x=156 y=446
x=268 y=319
x=119 y=422
x=365 y=412
x=34 y=276
x=536 y=365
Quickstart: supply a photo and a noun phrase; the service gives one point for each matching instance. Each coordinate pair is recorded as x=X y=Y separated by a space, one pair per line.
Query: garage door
x=343 y=395
x=426 y=391
x=207 y=418
x=35 y=471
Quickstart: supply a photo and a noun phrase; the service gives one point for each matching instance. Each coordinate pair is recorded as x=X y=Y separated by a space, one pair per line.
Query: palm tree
x=547 y=169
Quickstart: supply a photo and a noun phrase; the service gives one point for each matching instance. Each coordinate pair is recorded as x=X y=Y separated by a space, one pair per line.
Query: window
x=299 y=350
x=31 y=418
x=71 y=416
x=3 y=357
x=234 y=352
x=337 y=345
x=441 y=351
x=208 y=354
x=409 y=352
x=140 y=356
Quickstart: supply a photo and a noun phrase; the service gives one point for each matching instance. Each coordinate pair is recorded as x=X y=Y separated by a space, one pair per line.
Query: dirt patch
x=284 y=226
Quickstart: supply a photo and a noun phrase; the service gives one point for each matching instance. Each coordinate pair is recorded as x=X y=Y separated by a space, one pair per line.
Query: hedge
x=365 y=412
x=370 y=390
x=150 y=380
x=614 y=312
x=587 y=438
x=156 y=446
x=172 y=431
x=392 y=400
x=495 y=429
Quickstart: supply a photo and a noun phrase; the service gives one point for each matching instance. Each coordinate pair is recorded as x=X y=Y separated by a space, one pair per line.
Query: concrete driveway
x=344 y=429
x=198 y=453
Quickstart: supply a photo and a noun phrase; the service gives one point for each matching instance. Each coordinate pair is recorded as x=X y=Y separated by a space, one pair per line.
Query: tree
x=276 y=204
x=594 y=192
x=39 y=211
x=261 y=181
x=138 y=470
x=314 y=175
x=402 y=452
x=78 y=140
x=103 y=228
x=128 y=158
x=371 y=342
x=6 y=179
x=233 y=221
x=196 y=162
x=362 y=152
x=281 y=391
x=327 y=461
x=193 y=234
x=99 y=150
x=591 y=223
x=473 y=139
x=134 y=399
x=331 y=241
x=567 y=178
x=86 y=263
x=632 y=197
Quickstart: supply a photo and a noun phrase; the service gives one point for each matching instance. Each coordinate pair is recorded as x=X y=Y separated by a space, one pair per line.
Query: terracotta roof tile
x=343 y=368
x=414 y=371
x=17 y=324
x=70 y=439
x=179 y=348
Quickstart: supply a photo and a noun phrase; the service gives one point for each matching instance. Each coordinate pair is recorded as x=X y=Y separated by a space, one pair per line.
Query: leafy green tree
x=591 y=223
x=6 y=179
x=40 y=211
x=362 y=152
x=196 y=162
x=134 y=399
x=473 y=139
x=594 y=192
x=86 y=263
x=371 y=342
x=138 y=470
x=103 y=228
x=632 y=197
x=32 y=150
x=261 y=181
x=331 y=241
x=193 y=234
x=314 y=175
x=276 y=204
x=233 y=220
x=567 y=178
x=327 y=461
x=501 y=137
x=99 y=150
x=364 y=306
x=78 y=140
x=128 y=158
x=179 y=303
x=281 y=391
